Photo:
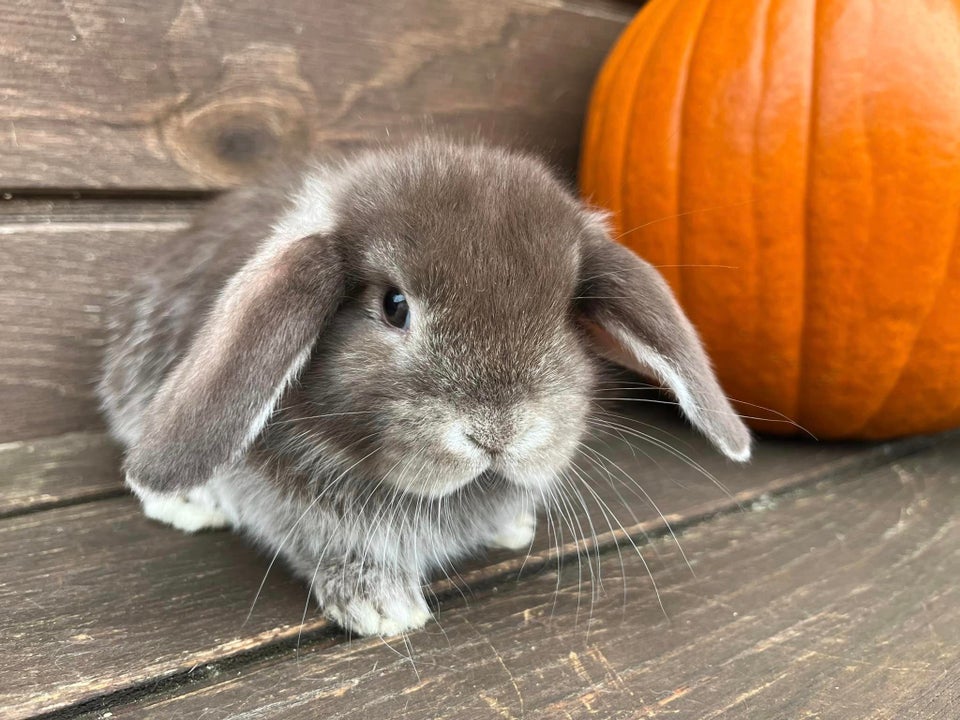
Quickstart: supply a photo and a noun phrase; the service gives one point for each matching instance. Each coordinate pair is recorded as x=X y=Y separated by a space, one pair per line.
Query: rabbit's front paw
x=363 y=616
x=517 y=534
x=189 y=514
x=372 y=606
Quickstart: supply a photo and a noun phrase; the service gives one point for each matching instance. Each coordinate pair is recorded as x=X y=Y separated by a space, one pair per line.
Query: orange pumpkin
x=793 y=167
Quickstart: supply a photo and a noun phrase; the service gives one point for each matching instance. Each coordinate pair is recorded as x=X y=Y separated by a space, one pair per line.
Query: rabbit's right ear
x=218 y=398
x=634 y=320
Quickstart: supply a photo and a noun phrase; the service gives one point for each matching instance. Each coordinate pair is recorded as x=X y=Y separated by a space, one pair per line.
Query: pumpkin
x=793 y=169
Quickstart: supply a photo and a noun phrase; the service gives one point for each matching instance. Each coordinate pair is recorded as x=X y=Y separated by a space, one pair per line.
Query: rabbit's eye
x=395 y=309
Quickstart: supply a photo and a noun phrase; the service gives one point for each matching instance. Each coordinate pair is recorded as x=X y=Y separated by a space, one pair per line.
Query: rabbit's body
x=382 y=366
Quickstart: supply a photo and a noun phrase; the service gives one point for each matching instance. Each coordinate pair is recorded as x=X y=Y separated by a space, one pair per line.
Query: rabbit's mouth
x=449 y=475
x=534 y=471
x=432 y=447
x=537 y=476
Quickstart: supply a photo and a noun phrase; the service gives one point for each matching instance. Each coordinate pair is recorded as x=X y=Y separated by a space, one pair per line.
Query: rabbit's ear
x=634 y=320
x=218 y=398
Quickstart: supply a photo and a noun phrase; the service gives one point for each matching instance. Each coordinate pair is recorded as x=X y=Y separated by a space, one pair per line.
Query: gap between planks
x=57 y=471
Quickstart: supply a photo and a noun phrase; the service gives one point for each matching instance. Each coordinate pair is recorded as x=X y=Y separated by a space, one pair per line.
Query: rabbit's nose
x=494 y=432
x=498 y=433
x=488 y=442
x=501 y=432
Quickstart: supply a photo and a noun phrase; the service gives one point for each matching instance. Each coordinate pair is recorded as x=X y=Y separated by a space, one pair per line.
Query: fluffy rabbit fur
x=256 y=383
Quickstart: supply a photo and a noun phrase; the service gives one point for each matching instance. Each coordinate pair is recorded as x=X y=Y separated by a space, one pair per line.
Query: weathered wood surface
x=840 y=602
x=173 y=94
x=99 y=601
x=61 y=262
x=39 y=474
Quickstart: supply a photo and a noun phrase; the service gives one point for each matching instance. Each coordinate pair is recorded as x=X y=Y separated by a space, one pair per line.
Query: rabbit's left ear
x=634 y=320
x=218 y=398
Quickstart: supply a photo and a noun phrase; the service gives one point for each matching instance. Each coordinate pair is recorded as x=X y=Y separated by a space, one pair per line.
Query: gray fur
x=251 y=375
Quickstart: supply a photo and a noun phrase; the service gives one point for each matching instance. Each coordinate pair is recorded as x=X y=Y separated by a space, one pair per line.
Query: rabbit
x=379 y=365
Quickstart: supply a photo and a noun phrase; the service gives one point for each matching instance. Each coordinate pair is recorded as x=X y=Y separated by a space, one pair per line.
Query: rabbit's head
x=424 y=316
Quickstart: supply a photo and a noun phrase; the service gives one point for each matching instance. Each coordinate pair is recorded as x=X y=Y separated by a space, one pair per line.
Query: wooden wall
x=119 y=116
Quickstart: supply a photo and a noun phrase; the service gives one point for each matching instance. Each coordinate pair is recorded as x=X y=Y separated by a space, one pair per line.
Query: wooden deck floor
x=821 y=583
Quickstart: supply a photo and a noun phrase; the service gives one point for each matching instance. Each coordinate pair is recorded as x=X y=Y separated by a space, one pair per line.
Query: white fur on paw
x=361 y=617
x=518 y=535
x=183 y=514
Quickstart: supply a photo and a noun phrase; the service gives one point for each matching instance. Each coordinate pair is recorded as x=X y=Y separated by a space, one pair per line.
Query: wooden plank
x=60 y=264
x=101 y=602
x=94 y=594
x=45 y=473
x=840 y=602
x=172 y=94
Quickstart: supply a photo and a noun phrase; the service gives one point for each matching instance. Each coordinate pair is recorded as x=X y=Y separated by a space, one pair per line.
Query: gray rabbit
x=382 y=365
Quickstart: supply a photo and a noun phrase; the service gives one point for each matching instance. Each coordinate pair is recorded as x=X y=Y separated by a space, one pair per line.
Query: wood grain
x=45 y=473
x=174 y=94
x=98 y=601
x=61 y=262
x=840 y=602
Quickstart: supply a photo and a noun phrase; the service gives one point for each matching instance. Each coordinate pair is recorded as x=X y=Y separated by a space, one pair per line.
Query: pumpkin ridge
x=808 y=155
x=950 y=260
x=681 y=122
x=600 y=123
x=755 y=165
x=953 y=413
x=919 y=325
x=623 y=180
x=884 y=400
x=672 y=15
x=870 y=155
